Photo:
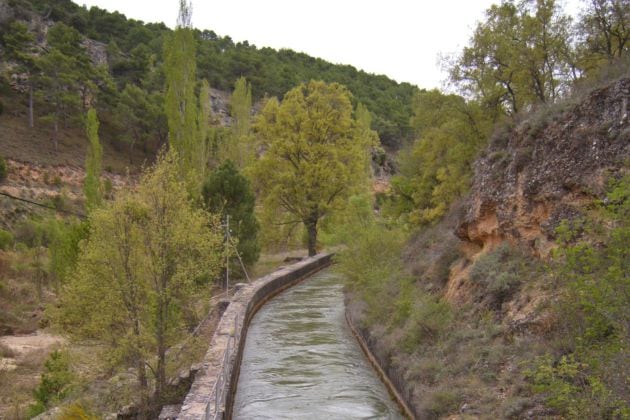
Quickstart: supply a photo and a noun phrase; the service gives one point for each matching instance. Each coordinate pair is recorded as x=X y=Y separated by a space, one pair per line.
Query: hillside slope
x=132 y=52
x=484 y=317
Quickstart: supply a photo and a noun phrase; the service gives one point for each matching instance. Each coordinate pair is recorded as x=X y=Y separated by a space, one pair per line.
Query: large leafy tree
x=519 y=55
x=313 y=158
x=135 y=278
x=605 y=31
x=436 y=169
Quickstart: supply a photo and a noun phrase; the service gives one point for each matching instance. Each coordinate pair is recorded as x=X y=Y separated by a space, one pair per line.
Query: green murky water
x=302 y=362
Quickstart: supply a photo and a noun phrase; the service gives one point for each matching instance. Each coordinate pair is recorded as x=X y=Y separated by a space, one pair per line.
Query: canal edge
x=402 y=403
x=229 y=406
x=211 y=393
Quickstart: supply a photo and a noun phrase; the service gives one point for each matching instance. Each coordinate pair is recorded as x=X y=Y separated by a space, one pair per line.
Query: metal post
x=227 y=255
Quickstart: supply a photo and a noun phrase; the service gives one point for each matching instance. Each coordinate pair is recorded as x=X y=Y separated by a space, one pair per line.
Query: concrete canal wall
x=211 y=394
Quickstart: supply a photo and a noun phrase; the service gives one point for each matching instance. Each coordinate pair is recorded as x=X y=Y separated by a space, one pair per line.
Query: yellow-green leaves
x=136 y=275
x=312 y=155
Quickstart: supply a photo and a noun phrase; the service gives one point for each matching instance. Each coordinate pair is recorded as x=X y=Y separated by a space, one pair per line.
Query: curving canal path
x=302 y=362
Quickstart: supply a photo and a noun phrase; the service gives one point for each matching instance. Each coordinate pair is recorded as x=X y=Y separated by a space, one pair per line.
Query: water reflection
x=301 y=361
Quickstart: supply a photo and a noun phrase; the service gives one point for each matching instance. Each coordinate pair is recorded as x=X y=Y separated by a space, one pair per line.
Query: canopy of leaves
x=313 y=156
x=438 y=167
x=135 y=277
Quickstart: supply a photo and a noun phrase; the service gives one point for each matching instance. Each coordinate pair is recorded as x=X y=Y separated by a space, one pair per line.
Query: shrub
x=500 y=272
x=589 y=380
x=77 y=412
x=441 y=402
x=55 y=383
x=6 y=239
x=429 y=317
x=33 y=232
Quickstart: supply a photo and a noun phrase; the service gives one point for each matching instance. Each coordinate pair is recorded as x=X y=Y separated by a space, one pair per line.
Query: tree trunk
x=161 y=350
x=311 y=228
x=55 y=133
x=30 y=105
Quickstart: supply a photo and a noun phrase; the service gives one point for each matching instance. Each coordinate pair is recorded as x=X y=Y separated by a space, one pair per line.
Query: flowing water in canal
x=302 y=362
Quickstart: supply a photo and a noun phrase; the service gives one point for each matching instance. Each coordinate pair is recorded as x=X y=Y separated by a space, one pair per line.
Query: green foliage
x=93 y=163
x=65 y=247
x=371 y=259
x=18 y=43
x=572 y=389
x=441 y=403
x=55 y=383
x=6 y=239
x=521 y=54
x=312 y=155
x=135 y=277
x=604 y=33
x=139 y=117
x=228 y=193
x=77 y=412
x=34 y=232
x=591 y=380
x=60 y=80
x=429 y=316
x=500 y=272
x=240 y=149
x=436 y=170
x=135 y=56
x=186 y=124
x=3 y=169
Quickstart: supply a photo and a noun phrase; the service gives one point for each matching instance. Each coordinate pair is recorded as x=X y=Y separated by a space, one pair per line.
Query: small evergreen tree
x=54 y=385
x=228 y=193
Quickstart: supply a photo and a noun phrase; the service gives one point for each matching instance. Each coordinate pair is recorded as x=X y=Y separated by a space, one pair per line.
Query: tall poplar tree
x=241 y=149
x=181 y=103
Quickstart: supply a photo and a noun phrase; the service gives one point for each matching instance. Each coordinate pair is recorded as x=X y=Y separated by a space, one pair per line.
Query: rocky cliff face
x=546 y=169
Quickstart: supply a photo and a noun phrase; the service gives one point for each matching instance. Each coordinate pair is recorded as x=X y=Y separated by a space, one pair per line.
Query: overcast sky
x=402 y=39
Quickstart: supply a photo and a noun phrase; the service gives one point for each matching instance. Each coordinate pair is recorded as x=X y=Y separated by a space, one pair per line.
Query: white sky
x=402 y=39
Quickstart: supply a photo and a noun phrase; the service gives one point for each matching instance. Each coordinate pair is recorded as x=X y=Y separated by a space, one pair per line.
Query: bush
x=55 y=383
x=500 y=272
x=441 y=403
x=429 y=317
x=3 y=168
x=589 y=380
x=34 y=232
x=6 y=239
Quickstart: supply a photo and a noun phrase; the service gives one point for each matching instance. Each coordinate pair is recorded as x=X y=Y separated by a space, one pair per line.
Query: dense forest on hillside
x=134 y=54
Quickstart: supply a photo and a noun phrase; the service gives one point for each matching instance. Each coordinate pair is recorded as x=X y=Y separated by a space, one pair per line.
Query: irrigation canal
x=301 y=361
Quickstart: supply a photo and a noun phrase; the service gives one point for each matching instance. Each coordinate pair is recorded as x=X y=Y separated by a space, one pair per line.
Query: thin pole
x=227 y=254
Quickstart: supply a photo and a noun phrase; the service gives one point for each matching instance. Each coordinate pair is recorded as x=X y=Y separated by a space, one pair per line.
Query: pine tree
x=93 y=163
